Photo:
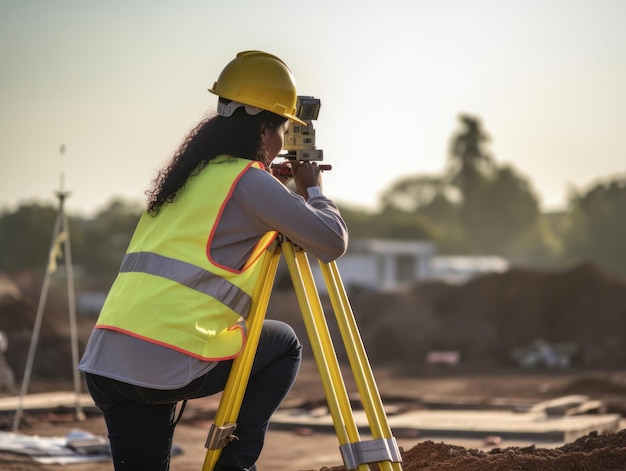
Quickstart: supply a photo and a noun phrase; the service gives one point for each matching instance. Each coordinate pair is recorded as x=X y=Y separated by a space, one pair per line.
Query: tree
x=98 y=243
x=470 y=162
x=413 y=193
x=434 y=202
x=476 y=206
x=26 y=237
x=106 y=237
x=597 y=224
x=503 y=210
x=388 y=224
x=498 y=206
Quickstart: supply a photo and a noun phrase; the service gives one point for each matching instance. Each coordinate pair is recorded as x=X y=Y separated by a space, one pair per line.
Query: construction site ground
x=496 y=323
x=302 y=447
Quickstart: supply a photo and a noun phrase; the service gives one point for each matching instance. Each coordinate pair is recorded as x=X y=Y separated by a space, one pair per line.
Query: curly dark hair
x=238 y=136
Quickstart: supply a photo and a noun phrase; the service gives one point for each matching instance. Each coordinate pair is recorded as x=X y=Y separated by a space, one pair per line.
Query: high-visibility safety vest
x=169 y=291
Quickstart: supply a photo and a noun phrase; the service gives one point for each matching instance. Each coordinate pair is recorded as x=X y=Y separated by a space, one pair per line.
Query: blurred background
x=477 y=152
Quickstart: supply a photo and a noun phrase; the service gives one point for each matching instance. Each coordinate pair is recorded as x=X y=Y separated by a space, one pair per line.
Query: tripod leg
x=226 y=417
x=322 y=346
x=71 y=302
x=38 y=319
x=359 y=362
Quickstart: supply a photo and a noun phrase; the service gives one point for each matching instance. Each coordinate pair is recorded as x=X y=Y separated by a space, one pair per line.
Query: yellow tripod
x=356 y=454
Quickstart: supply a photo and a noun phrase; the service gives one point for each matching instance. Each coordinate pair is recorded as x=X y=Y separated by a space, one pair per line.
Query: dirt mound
x=488 y=317
x=19 y=298
x=592 y=452
x=484 y=319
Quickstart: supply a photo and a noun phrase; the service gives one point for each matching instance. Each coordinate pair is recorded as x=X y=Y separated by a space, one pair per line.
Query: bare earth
x=486 y=319
x=302 y=449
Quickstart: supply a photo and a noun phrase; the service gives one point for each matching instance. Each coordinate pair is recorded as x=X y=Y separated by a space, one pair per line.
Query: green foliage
x=413 y=193
x=26 y=237
x=98 y=244
x=475 y=206
x=501 y=210
x=430 y=202
x=360 y=223
x=469 y=161
x=387 y=224
x=403 y=226
x=498 y=206
x=597 y=224
x=106 y=237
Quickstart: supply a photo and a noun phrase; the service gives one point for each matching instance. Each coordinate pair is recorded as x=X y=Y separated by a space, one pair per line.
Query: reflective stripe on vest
x=169 y=290
x=190 y=276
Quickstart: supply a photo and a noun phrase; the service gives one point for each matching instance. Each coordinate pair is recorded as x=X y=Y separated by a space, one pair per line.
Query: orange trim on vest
x=168 y=297
x=172 y=347
x=255 y=164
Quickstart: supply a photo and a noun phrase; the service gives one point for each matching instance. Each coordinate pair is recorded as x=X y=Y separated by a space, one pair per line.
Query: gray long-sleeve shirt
x=259 y=203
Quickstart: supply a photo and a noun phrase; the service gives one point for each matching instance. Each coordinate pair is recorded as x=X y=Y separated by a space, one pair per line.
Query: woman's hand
x=282 y=172
x=306 y=174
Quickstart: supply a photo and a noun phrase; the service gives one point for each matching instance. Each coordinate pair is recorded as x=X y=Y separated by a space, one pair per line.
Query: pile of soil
x=488 y=318
x=485 y=319
x=19 y=299
x=592 y=452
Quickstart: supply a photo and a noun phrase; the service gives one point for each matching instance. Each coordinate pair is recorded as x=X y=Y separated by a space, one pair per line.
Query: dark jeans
x=140 y=421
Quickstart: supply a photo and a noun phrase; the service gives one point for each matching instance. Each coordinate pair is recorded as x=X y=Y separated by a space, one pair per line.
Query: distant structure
x=382 y=265
x=387 y=265
x=459 y=269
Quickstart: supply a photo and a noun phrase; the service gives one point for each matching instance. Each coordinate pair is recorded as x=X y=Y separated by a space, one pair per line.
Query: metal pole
x=71 y=301
x=36 y=329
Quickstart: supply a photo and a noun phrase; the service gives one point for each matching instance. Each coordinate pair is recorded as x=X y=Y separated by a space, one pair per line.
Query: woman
x=175 y=317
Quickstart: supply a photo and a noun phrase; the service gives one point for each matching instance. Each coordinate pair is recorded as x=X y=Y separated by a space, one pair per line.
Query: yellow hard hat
x=261 y=80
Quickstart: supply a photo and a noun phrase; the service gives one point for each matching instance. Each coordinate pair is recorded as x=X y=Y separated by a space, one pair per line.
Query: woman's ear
x=264 y=132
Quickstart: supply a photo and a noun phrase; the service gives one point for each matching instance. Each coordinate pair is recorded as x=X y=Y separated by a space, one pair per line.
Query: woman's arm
x=316 y=225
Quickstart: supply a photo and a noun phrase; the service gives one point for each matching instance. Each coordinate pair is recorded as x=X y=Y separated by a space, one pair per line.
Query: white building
x=394 y=265
x=459 y=269
x=381 y=264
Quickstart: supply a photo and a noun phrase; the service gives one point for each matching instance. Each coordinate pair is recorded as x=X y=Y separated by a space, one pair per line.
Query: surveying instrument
x=356 y=453
x=60 y=246
x=300 y=138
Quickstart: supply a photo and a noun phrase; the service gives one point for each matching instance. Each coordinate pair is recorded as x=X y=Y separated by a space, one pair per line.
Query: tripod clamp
x=370 y=451
x=220 y=436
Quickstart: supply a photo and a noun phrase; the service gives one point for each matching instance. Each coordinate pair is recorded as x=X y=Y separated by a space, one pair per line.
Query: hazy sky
x=120 y=83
